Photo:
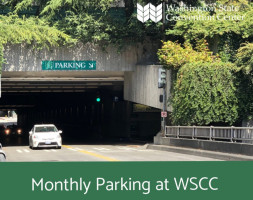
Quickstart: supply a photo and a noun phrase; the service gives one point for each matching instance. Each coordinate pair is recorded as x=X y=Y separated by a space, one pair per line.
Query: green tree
x=245 y=58
x=31 y=31
x=97 y=21
x=173 y=55
x=224 y=36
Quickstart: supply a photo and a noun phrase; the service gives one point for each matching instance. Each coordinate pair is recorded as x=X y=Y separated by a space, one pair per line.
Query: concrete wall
x=226 y=147
x=141 y=86
x=21 y=57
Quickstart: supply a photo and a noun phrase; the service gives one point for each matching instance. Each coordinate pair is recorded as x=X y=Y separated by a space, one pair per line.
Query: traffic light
x=161 y=78
x=98 y=97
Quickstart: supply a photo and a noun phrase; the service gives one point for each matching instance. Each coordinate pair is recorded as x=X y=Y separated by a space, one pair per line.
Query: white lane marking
x=79 y=149
x=46 y=150
x=19 y=151
x=147 y=150
x=25 y=150
x=53 y=150
x=72 y=149
x=101 y=149
x=126 y=148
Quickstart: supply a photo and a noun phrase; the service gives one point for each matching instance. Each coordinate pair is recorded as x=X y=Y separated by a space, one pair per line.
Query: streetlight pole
x=164 y=110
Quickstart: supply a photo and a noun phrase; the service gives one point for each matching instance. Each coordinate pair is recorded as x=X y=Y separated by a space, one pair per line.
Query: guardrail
x=232 y=134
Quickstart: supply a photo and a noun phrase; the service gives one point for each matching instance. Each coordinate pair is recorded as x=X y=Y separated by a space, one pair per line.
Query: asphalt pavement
x=96 y=152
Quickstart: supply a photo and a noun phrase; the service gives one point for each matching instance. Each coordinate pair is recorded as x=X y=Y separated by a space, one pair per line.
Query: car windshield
x=45 y=129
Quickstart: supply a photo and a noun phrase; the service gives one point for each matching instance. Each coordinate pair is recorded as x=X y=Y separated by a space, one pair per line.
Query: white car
x=2 y=154
x=45 y=135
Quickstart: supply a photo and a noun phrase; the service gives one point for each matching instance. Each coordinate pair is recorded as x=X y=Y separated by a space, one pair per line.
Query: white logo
x=149 y=12
x=143 y=13
x=156 y=13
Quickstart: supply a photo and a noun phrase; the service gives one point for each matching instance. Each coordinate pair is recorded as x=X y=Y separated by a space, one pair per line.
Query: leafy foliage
x=245 y=58
x=1 y=56
x=224 y=36
x=173 y=56
x=197 y=29
x=205 y=94
x=208 y=91
x=31 y=31
x=244 y=86
x=97 y=21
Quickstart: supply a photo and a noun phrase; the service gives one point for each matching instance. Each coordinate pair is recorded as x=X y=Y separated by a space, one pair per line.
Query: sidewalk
x=198 y=152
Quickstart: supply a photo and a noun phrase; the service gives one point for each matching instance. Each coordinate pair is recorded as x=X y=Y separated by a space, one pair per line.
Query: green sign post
x=68 y=65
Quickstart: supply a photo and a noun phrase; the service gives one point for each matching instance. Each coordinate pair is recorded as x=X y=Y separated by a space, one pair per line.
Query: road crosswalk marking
x=127 y=148
x=72 y=149
x=49 y=150
x=22 y=151
x=27 y=151
x=92 y=149
x=79 y=149
x=108 y=149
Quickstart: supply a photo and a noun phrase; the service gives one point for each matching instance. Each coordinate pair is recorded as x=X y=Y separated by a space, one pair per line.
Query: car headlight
x=19 y=131
x=7 y=131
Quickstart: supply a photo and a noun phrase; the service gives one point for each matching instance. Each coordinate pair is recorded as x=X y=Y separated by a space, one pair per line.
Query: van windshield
x=45 y=129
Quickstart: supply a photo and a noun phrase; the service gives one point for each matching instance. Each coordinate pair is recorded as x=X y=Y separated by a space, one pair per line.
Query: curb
x=203 y=153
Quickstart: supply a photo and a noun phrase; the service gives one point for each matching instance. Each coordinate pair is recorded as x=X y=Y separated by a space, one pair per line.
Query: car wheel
x=2 y=158
x=59 y=147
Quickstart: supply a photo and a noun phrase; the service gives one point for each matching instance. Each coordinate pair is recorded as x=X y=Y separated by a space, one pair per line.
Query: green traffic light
x=98 y=99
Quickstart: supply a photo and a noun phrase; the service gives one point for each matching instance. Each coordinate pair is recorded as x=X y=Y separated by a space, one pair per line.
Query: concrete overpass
x=23 y=71
x=129 y=75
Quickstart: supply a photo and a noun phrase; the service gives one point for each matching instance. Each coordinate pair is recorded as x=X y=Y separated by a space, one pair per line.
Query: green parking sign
x=68 y=65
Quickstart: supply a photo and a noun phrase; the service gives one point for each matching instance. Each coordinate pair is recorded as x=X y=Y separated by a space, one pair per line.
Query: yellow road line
x=92 y=154
x=66 y=146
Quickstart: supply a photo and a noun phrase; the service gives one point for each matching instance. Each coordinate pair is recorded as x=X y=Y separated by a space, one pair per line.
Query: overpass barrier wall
x=230 y=134
x=23 y=58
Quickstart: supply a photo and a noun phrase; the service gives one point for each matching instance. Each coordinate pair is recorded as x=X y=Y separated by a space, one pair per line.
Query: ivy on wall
x=211 y=86
x=205 y=94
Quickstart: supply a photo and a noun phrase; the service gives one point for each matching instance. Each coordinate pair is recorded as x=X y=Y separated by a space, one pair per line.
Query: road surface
x=95 y=152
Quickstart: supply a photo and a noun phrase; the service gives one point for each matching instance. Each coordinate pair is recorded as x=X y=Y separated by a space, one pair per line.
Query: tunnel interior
x=96 y=115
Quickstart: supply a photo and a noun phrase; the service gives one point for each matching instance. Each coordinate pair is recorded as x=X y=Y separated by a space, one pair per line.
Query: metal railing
x=232 y=134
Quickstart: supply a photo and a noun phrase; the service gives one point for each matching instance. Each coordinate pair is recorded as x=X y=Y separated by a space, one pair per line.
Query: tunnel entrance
x=79 y=115
x=84 y=111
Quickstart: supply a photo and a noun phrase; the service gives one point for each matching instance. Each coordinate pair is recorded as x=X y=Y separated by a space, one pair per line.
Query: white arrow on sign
x=91 y=65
